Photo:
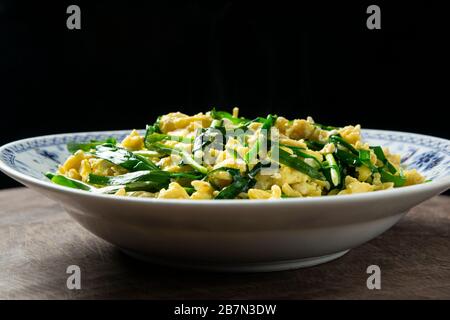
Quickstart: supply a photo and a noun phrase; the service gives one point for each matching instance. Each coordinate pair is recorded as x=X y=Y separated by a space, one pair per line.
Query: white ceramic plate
x=235 y=235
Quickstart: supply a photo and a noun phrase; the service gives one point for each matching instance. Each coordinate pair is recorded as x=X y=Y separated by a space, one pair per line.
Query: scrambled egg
x=174 y=191
x=177 y=120
x=133 y=141
x=351 y=134
x=79 y=165
x=219 y=172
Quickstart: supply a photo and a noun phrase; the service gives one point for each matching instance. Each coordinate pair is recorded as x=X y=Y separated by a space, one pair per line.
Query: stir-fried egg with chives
x=219 y=155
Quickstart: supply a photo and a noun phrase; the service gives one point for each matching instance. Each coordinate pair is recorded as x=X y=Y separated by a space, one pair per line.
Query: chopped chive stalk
x=183 y=154
x=334 y=169
x=157 y=176
x=68 y=182
x=108 y=189
x=162 y=149
x=257 y=169
x=348 y=158
x=252 y=154
x=191 y=162
x=298 y=164
x=233 y=190
x=240 y=184
x=391 y=167
x=299 y=152
x=379 y=153
x=381 y=156
x=153 y=128
x=314 y=145
x=200 y=141
x=216 y=123
x=398 y=180
x=148 y=186
x=155 y=137
x=124 y=158
x=219 y=115
x=73 y=147
x=324 y=127
x=364 y=155
x=339 y=141
x=364 y=158
x=189 y=190
x=207 y=136
x=244 y=126
x=187 y=175
x=75 y=184
x=146 y=153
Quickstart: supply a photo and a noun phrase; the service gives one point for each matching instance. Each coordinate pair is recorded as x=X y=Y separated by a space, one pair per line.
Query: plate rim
x=441 y=183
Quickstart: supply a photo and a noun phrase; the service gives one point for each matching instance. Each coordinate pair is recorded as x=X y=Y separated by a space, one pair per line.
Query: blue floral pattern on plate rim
x=34 y=156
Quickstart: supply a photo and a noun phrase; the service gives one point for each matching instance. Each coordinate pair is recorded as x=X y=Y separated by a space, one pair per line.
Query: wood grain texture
x=38 y=240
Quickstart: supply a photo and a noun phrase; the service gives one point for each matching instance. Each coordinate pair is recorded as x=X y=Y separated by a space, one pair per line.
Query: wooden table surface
x=38 y=240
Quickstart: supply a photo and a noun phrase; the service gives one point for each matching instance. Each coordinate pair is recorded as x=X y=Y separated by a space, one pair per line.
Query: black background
x=132 y=61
